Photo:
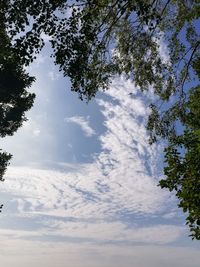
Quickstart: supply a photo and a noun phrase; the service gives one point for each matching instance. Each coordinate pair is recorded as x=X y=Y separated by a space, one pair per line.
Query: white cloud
x=87 y=190
x=83 y=123
x=101 y=231
x=115 y=231
x=163 y=49
x=95 y=198
x=123 y=177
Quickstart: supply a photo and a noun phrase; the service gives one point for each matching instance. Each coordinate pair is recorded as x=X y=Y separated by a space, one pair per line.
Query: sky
x=81 y=189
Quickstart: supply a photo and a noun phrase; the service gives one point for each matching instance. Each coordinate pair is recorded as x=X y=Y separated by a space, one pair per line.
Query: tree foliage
x=14 y=98
x=183 y=164
x=94 y=40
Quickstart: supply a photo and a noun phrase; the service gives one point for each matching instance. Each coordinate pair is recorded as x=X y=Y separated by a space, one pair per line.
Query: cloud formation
x=92 y=202
x=83 y=123
x=122 y=178
x=109 y=212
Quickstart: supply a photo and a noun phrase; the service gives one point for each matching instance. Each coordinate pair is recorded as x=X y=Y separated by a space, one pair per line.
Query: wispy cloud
x=83 y=123
x=115 y=231
x=100 y=231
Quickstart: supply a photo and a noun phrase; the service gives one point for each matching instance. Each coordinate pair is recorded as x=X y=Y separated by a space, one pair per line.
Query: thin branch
x=187 y=67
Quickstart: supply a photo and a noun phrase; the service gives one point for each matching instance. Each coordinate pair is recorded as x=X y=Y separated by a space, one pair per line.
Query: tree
x=183 y=164
x=14 y=98
x=99 y=39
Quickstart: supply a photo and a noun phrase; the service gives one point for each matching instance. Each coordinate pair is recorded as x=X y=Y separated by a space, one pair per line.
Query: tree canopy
x=14 y=98
x=94 y=40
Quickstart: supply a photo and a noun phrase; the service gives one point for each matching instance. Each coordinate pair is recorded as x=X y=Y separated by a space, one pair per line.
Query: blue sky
x=81 y=189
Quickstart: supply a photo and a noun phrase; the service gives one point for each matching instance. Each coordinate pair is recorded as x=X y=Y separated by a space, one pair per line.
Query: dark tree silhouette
x=14 y=98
